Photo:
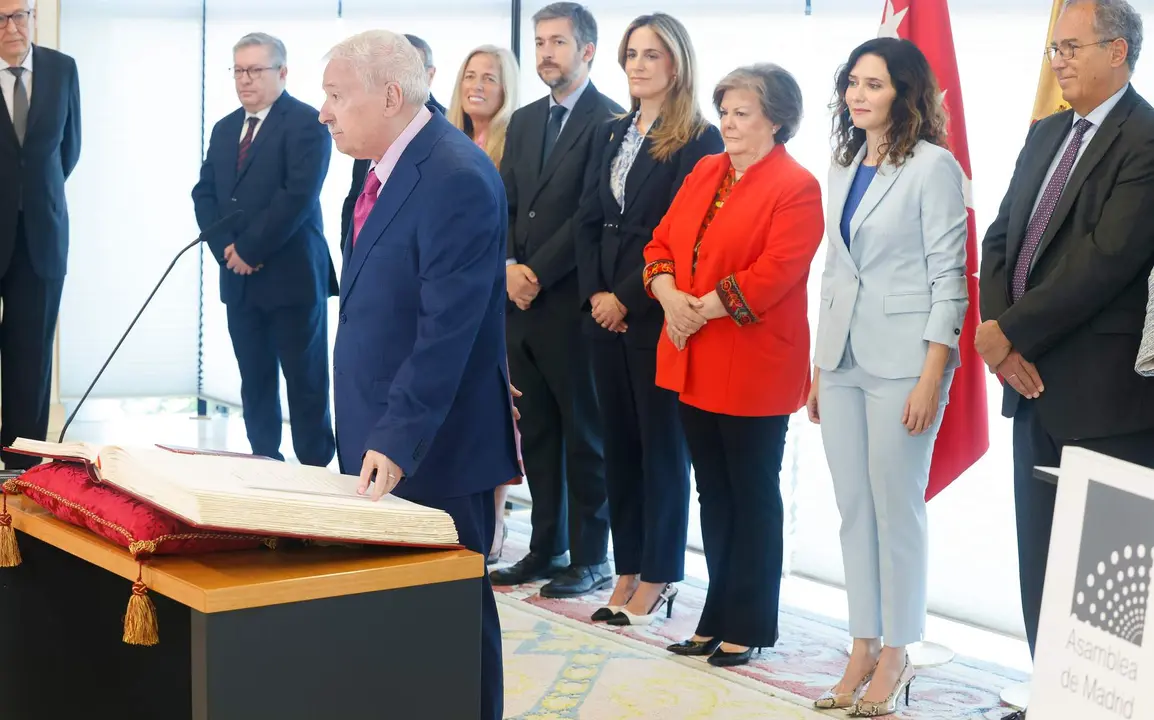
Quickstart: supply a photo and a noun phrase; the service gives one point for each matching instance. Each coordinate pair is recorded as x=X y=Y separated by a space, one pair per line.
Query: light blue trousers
x=880 y=473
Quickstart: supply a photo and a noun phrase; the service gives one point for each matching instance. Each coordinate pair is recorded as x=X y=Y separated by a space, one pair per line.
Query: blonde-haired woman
x=485 y=99
x=482 y=104
x=636 y=168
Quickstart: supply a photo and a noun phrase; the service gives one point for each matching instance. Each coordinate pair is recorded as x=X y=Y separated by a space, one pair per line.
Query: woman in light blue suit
x=893 y=297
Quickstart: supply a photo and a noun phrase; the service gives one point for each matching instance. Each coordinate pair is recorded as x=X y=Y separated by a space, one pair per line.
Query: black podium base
x=388 y=654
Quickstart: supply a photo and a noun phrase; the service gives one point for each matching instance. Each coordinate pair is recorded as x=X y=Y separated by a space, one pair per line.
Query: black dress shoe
x=695 y=647
x=530 y=568
x=578 y=580
x=722 y=658
x=1016 y=715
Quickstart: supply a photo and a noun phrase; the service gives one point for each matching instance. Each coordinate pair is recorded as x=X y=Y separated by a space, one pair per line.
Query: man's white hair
x=380 y=57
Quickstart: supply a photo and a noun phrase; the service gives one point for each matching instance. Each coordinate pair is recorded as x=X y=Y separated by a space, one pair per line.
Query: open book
x=234 y=493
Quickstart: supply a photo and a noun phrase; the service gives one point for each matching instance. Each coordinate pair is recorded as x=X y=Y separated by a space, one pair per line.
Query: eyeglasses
x=1066 y=49
x=254 y=73
x=18 y=18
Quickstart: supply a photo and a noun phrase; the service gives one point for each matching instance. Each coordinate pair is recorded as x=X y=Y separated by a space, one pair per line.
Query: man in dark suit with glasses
x=39 y=147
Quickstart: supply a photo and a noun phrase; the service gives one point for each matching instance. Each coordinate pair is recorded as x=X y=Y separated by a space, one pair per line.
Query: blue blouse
x=857 y=189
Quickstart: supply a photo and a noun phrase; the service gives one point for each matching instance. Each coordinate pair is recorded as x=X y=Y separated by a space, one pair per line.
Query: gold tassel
x=9 y=550
x=140 y=620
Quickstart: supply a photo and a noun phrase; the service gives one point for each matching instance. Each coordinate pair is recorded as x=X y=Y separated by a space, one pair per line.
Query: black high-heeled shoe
x=721 y=658
x=495 y=553
x=694 y=648
x=602 y=614
x=667 y=596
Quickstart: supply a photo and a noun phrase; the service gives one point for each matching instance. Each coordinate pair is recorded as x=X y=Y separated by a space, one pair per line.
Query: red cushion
x=70 y=493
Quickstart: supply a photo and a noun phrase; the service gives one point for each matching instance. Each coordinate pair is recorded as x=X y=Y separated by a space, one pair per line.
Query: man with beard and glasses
x=546 y=150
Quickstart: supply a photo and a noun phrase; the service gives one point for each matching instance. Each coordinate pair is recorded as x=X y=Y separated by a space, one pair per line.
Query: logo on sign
x=1115 y=561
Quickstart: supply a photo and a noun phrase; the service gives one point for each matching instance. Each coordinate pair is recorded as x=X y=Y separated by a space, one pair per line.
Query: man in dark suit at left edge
x=361 y=167
x=39 y=147
x=269 y=159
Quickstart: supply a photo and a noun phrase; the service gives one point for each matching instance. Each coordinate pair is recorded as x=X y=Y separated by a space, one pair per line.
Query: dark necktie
x=552 y=130
x=1041 y=218
x=19 y=105
x=246 y=143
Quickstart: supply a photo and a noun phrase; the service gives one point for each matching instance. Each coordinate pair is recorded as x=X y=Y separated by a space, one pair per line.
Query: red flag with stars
x=964 y=436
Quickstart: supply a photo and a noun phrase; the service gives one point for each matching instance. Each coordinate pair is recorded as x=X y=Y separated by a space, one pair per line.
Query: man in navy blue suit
x=269 y=159
x=39 y=147
x=423 y=406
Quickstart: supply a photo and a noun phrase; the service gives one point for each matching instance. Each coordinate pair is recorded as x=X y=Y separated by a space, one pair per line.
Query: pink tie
x=365 y=203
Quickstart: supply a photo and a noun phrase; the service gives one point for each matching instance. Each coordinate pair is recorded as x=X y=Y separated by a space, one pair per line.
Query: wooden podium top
x=223 y=581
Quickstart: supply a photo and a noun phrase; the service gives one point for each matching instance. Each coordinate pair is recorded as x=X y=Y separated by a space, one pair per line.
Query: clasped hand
x=522 y=285
x=608 y=312
x=234 y=262
x=686 y=314
x=1001 y=357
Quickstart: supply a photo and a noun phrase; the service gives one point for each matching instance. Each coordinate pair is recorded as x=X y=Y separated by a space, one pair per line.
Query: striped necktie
x=246 y=143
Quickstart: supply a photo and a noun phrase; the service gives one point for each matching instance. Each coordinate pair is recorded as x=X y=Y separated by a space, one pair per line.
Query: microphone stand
x=226 y=222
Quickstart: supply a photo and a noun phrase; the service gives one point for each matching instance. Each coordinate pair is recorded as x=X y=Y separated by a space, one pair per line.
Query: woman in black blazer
x=635 y=169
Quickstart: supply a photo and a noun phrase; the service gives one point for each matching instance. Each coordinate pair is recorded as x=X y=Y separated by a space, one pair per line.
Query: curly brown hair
x=916 y=113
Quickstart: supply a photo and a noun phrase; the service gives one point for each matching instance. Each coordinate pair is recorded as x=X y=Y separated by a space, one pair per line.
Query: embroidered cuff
x=653 y=269
x=734 y=301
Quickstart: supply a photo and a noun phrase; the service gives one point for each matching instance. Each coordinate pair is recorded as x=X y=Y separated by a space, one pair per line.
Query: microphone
x=224 y=225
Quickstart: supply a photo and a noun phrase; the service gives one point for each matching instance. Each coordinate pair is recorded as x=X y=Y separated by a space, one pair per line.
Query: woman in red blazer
x=729 y=264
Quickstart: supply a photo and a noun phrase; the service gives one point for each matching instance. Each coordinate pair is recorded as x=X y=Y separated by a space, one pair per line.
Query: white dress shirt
x=260 y=116
x=8 y=84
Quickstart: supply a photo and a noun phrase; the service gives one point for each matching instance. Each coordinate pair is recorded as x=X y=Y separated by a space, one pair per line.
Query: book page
x=76 y=450
x=284 y=477
x=279 y=477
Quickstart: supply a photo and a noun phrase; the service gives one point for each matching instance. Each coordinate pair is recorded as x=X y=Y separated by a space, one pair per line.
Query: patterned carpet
x=556 y=669
x=626 y=673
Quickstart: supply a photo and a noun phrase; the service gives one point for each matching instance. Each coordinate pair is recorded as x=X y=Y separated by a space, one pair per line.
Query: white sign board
x=1094 y=658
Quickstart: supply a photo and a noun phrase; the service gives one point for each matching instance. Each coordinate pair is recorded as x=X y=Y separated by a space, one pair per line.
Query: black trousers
x=1034 y=499
x=30 y=305
x=737 y=463
x=561 y=440
x=646 y=463
x=293 y=340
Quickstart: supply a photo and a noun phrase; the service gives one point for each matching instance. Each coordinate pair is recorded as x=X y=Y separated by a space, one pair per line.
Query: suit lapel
x=231 y=149
x=1048 y=146
x=1103 y=138
x=394 y=194
x=838 y=195
x=7 y=130
x=882 y=181
x=44 y=73
x=264 y=135
x=535 y=137
x=574 y=126
x=616 y=139
x=643 y=164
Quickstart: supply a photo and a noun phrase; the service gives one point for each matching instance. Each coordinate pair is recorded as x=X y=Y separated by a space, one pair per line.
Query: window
x=128 y=198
